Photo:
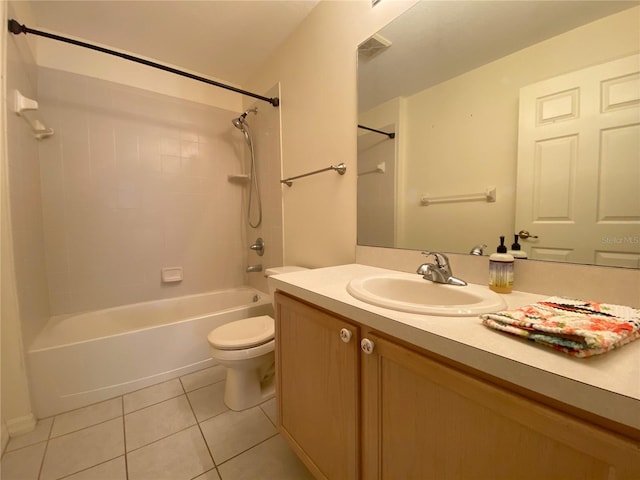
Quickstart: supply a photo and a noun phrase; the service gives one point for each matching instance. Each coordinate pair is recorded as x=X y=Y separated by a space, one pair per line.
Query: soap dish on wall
x=239 y=178
x=24 y=104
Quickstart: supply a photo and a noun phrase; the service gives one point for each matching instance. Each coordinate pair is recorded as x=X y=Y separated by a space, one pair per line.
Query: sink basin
x=411 y=293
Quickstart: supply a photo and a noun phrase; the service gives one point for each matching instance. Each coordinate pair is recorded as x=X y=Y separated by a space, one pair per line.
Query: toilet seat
x=241 y=334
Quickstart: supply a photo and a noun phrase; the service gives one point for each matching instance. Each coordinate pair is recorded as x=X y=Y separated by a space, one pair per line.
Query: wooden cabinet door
x=423 y=420
x=318 y=380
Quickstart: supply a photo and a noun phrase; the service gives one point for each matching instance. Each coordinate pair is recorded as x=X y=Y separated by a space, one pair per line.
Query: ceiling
x=438 y=40
x=229 y=40
x=224 y=39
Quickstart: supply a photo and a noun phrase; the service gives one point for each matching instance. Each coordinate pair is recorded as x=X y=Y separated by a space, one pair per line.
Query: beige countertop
x=607 y=385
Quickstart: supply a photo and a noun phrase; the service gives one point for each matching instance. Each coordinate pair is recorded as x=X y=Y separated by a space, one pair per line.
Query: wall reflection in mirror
x=536 y=103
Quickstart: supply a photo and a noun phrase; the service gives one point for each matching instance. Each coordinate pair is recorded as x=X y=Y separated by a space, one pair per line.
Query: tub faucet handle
x=258 y=246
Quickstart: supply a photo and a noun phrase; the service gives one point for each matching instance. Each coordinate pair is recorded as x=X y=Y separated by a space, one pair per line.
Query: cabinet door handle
x=367 y=346
x=345 y=335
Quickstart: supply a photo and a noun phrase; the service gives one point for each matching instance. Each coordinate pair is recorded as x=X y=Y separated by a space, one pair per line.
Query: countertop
x=607 y=385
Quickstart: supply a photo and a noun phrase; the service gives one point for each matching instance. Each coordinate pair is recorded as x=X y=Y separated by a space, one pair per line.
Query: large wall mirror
x=486 y=118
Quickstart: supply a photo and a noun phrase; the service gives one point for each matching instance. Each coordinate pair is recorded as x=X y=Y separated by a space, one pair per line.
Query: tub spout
x=254 y=268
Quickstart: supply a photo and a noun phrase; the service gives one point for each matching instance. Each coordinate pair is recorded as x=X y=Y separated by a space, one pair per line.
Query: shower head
x=239 y=122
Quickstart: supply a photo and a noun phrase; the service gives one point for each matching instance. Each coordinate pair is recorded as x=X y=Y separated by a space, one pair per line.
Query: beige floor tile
x=202 y=378
x=23 y=464
x=87 y=416
x=39 y=434
x=269 y=408
x=115 y=469
x=85 y=448
x=151 y=395
x=153 y=423
x=231 y=433
x=266 y=461
x=210 y=475
x=181 y=456
x=208 y=401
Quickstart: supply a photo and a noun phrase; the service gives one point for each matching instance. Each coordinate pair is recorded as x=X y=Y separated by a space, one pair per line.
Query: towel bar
x=340 y=168
x=489 y=195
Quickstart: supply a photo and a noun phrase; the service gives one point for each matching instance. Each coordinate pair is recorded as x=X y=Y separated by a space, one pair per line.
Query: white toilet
x=246 y=348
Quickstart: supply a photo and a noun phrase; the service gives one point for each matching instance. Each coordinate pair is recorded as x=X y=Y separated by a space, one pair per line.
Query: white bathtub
x=81 y=359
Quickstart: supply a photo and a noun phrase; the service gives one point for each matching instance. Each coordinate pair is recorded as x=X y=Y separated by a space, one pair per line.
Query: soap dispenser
x=501 y=269
x=516 y=251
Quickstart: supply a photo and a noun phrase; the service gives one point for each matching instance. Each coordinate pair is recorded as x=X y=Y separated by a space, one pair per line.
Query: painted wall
x=316 y=68
x=15 y=263
x=470 y=124
x=62 y=56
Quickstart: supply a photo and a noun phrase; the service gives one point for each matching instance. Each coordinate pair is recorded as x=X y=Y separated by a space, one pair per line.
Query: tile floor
x=180 y=429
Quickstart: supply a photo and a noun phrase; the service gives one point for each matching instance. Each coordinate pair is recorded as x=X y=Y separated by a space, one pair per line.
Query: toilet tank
x=277 y=271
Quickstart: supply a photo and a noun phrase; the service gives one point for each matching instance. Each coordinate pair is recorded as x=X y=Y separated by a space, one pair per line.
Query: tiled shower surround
x=134 y=181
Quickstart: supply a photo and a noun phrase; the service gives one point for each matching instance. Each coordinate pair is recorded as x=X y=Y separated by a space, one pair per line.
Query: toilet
x=246 y=348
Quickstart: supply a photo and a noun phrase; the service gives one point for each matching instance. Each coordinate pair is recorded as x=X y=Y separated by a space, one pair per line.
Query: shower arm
x=16 y=28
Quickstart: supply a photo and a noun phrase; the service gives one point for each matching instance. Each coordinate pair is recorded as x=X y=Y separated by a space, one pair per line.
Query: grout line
x=124 y=440
x=204 y=439
x=184 y=390
x=151 y=386
x=44 y=455
x=151 y=404
x=162 y=438
x=205 y=386
x=267 y=415
x=53 y=420
x=22 y=448
x=80 y=408
x=207 y=471
x=250 y=448
x=85 y=428
x=89 y=468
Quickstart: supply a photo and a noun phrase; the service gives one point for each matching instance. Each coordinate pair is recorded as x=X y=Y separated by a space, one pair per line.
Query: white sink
x=411 y=293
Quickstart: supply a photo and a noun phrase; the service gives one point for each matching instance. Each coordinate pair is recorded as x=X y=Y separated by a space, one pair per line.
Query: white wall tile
x=134 y=182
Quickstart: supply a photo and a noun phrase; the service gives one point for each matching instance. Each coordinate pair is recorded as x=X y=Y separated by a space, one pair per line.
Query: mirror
x=450 y=80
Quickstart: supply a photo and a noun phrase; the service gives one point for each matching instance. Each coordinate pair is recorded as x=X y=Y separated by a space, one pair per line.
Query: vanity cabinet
x=425 y=420
x=420 y=417
x=318 y=378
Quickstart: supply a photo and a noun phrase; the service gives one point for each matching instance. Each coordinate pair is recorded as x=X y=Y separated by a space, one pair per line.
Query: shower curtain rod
x=16 y=28
x=390 y=135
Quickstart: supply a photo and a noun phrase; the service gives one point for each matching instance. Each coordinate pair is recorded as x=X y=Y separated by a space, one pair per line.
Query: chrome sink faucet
x=440 y=271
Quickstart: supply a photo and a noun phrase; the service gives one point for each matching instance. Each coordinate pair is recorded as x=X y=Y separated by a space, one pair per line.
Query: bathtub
x=84 y=358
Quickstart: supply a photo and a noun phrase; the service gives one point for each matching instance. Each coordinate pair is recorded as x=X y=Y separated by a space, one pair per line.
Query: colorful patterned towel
x=576 y=327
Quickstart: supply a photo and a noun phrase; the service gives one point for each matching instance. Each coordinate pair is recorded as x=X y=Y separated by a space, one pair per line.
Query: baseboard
x=20 y=425
x=4 y=437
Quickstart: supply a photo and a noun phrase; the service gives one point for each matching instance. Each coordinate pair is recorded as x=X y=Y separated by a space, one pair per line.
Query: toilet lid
x=245 y=333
